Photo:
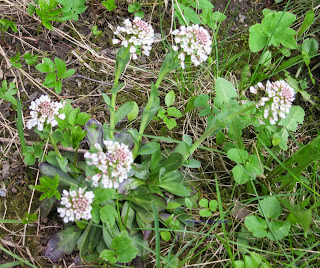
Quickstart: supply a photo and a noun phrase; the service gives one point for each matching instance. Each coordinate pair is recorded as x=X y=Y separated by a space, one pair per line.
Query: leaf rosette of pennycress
x=126 y=212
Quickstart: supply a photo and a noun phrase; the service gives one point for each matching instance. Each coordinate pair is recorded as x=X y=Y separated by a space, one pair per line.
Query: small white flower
x=138 y=34
x=279 y=100
x=77 y=205
x=194 y=41
x=114 y=165
x=45 y=111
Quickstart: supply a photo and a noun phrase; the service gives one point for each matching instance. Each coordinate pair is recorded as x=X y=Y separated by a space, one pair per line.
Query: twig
x=30 y=143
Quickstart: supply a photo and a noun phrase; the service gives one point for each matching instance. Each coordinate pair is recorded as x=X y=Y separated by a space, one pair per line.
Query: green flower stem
x=119 y=215
x=55 y=147
x=113 y=102
x=148 y=107
x=214 y=128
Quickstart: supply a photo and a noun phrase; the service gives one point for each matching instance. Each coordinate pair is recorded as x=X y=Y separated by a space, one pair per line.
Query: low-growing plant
x=56 y=71
x=113 y=187
x=50 y=11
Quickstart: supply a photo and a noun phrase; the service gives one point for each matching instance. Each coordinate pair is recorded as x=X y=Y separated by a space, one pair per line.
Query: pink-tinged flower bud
x=279 y=100
x=77 y=205
x=44 y=111
x=138 y=33
x=113 y=165
x=194 y=41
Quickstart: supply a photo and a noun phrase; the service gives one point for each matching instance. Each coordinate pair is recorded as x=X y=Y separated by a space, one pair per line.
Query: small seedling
x=209 y=207
x=56 y=72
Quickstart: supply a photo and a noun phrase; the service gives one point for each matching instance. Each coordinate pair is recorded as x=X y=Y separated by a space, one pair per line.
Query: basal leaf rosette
x=44 y=112
x=193 y=43
x=113 y=166
x=138 y=36
x=77 y=205
x=278 y=99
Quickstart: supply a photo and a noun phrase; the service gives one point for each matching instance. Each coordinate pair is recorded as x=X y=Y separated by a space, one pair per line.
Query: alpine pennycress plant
x=116 y=191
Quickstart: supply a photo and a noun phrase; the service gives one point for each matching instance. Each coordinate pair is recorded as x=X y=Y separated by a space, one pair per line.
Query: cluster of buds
x=113 y=165
x=44 y=111
x=139 y=36
x=77 y=205
x=278 y=102
x=195 y=43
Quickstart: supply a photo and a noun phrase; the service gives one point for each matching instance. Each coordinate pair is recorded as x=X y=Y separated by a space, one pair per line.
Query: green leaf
x=123 y=111
x=175 y=188
x=108 y=214
x=110 y=5
x=205 y=213
x=308 y=20
x=188 y=203
x=238 y=155
x=29 y=159
x=310 y=46
x=68 y=73
x=102 y=195
x=50 y=80
x=149 y=148
x=225 y=93
x=82 y=118
x=271 y=207
x=134 y=112
x=192 y=163
x=51 y=171
x=265 y=59
x=73 y=116
x=170 y=123
x=60 y=66
x=218 y=16
x=295 y=116
x=165 y=235
x=108 y=255
x=125 y=250
x=30 y=59
x=173 y=111
x=280 y=229
x=204 y=4
x=146 y=200
x=173 y=205
x=62 y=163
x=275 y=26
x=213 y=204
x=239 y=174
x=134 y=7
x=256 y=225
x=191 y=15
x=257 y=38
x=170 y=98
x=201 y=100
x=173 y=162
x=204 y=203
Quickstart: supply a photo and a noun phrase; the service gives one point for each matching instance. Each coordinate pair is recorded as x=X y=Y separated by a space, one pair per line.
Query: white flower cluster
x=195 y=43
x=44 y=111
x=278 y=102
x=139 y=36
x=114 y=165
x=77 y=205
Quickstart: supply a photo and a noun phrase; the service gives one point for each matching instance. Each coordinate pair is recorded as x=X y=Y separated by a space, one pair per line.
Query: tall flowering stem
x=45 y=112
x=137 y=38
x=123 y=58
